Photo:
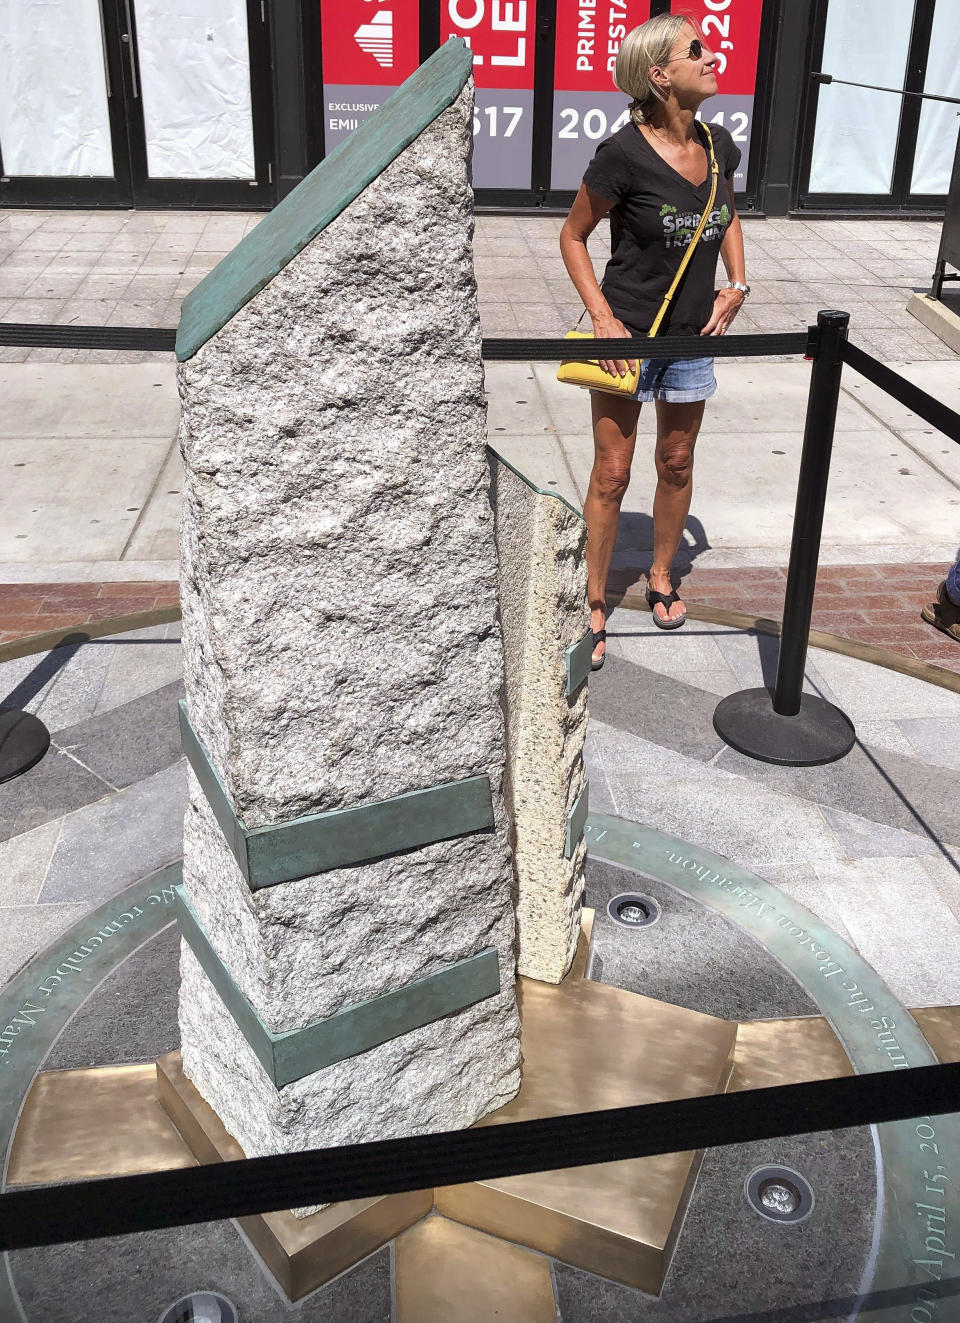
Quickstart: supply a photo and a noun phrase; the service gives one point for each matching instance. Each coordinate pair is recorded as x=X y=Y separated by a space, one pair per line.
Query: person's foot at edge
x=659 y=582
x=598 y=621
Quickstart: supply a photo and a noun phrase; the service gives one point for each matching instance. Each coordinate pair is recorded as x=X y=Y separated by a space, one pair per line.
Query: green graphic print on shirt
x=680 y=227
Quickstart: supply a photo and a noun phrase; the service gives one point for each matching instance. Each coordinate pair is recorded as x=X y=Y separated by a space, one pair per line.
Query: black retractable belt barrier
x=932 y=411
x=35 y=336
x=163 y=339
x=659 y=347
x=91 y=1209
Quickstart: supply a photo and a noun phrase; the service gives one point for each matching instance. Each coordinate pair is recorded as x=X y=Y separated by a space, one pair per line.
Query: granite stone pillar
x=543 y=605
x=348 y=963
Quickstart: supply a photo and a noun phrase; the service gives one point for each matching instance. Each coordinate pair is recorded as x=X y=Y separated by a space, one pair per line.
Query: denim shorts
x=678 y=381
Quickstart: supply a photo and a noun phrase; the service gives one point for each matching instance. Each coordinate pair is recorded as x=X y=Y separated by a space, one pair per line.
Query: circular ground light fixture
x=633 y=911
x=201 y=1307
x=779 y=1194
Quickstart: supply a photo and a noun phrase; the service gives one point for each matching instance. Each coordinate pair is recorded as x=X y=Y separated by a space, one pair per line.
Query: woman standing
x=654 y=178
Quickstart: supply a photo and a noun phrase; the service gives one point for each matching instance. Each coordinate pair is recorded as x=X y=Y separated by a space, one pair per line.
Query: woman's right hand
x=608 y=327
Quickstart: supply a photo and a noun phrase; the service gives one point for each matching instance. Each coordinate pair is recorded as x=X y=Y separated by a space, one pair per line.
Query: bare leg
x=614 y=439
x=677 y=429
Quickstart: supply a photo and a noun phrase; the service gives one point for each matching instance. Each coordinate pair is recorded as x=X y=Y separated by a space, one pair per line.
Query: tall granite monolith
x=347 y=867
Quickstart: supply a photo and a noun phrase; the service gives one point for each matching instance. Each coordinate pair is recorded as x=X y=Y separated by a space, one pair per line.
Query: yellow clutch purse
x=588 y=374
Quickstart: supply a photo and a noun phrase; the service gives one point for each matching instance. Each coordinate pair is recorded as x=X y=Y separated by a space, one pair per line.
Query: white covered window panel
x=939 y=124
x=53 y=93
x=855 y=143
x=195 y=84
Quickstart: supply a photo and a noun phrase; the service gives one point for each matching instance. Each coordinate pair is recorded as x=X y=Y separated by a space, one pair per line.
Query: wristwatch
x=735 y=284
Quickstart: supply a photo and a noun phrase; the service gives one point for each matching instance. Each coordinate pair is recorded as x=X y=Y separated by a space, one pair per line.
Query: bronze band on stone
x=577 y=821
x=295 y=1053
x=578 y=658
x=322 y=841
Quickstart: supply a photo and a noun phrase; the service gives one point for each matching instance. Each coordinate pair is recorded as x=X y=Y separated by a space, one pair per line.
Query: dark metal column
x=789 y=726
x=788 y=82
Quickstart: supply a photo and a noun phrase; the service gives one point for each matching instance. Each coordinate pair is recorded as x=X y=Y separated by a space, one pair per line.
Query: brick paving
x=877 y=604
x=34 y=608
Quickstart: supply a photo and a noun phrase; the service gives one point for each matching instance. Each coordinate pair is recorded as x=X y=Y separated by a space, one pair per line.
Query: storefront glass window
x=939 y=124
x=53 y=93
x=195 y=70
x=855 y=141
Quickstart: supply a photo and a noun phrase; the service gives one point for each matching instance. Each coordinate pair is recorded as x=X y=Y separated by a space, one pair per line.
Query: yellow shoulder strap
x=714 y=172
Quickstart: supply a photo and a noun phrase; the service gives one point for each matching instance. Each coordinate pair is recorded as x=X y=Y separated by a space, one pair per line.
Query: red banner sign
x=370 y=43
x=589 y=35
x=501 y=35
x=731 y=29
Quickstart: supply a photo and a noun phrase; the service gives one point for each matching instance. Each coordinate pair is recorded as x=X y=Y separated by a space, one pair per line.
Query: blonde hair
x=645 y=46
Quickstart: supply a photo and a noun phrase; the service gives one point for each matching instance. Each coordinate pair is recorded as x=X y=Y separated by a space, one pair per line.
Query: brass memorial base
x=586 y=1046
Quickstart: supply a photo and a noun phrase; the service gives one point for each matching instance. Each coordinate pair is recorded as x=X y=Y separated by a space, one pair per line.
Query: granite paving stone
x=631 y=636
x=935 y=739
x=637 y=699
x=863 y=839
x=900 y=925
x=124 y=744
x=24 y=861
x=692 y=956
x=118 y=839
x=749 y=823
x=873 y=783
x=144 y=661
x=74 y=688
x=944 y=868
x=800 y=883
x=28 y=929
x=733 y=1266
x=56 y=786
x=130 y=1016
x=884 y=735
x=140 y=1276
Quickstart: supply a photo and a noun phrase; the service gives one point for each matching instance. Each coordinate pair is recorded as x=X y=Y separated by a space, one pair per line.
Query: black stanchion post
x=788 y=726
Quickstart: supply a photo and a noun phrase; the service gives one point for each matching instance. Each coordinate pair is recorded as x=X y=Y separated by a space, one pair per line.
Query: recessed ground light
x=201 y=1307
x=633 y=911
x=779 y=1194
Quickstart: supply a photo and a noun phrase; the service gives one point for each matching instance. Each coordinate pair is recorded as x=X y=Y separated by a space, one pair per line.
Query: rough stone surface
x=342 y=645
x=543 y=607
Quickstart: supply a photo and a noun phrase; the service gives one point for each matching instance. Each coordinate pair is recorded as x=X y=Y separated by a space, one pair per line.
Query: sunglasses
x=694 y=53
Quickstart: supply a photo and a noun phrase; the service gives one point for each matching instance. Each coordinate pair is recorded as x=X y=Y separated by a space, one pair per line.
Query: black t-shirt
x=655 y=215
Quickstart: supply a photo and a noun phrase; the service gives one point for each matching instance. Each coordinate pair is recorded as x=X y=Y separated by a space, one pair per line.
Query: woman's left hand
x=726 y=304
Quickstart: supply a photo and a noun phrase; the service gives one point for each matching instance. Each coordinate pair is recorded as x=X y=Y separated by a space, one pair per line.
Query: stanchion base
x=819 y=733
x=24 y=739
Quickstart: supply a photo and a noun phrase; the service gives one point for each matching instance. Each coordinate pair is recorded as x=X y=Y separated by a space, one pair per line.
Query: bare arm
x=728 y=302
x=588 y=210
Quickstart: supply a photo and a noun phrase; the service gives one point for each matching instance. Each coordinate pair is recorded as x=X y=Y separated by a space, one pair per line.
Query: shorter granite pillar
x=547 y=642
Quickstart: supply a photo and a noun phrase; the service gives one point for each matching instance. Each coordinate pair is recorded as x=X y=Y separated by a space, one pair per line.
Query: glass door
x=135 y=103
x=62 y=118
x=865 y=148
x=198 y=95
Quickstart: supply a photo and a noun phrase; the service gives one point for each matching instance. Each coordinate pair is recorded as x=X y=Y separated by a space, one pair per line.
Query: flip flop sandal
x=662 y=599
x=943 y=615
x=599 y=636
